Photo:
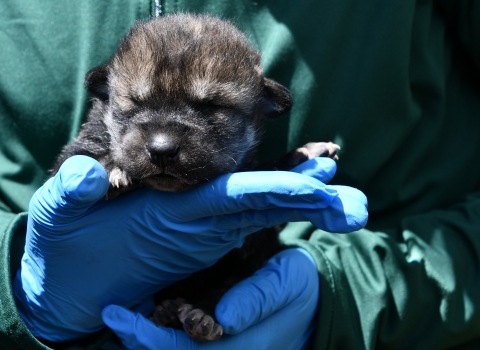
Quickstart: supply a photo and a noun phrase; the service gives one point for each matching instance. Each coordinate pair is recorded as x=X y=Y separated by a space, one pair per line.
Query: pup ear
x=276 y=99
x=96 y=82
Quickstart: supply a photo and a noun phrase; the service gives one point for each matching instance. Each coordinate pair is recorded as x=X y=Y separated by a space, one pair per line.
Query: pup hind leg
x=194 y=321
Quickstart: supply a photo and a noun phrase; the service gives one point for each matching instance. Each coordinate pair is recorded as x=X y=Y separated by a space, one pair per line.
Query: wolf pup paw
x=120 y=182
x=119 y=178
x=318 y=149
x=198 y=325
x=195 y=322
x=302 y=154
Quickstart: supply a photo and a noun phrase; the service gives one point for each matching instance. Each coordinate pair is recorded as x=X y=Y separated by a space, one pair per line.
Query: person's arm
x=412 y=287
x=13 y=333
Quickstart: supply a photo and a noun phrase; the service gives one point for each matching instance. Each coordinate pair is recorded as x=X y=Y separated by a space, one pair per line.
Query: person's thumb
x=80 y=183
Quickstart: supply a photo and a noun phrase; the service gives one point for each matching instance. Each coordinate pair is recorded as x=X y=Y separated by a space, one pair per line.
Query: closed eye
x=212 y=103
x=136 y=101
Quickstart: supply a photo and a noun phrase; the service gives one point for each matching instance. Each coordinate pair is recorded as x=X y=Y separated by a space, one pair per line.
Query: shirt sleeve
x=410 y=287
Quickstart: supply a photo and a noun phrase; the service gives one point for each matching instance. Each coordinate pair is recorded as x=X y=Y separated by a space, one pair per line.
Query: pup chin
x=168 y=183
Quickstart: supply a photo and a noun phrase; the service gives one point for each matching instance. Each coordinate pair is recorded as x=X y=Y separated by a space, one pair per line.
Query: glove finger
x=136 y=332
x=321 y=168
x=233 y=193
x=289 y=277
x=80 y=182
x=346 y=213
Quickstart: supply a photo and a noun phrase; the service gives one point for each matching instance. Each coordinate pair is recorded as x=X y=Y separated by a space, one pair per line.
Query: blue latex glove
x=83 y=253
x=274 y=309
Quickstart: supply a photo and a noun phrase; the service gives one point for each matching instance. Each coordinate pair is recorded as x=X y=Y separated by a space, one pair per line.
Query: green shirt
x=396 y=84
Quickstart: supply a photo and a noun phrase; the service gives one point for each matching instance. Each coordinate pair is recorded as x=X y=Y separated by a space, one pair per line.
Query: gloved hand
x=83 y=253
x=274 y=309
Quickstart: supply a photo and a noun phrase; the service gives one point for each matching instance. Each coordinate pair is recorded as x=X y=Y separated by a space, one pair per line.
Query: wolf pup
x=182 y=101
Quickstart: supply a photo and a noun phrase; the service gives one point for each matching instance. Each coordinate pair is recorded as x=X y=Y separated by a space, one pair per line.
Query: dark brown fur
x=182 y=101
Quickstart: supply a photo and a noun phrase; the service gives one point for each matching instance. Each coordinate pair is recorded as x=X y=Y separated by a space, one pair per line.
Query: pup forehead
x=185 y=55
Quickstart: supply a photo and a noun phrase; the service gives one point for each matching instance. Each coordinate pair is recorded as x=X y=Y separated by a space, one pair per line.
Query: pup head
x=185 y=101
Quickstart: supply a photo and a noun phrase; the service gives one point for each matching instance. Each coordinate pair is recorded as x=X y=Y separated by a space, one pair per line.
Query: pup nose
x=162 y=150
